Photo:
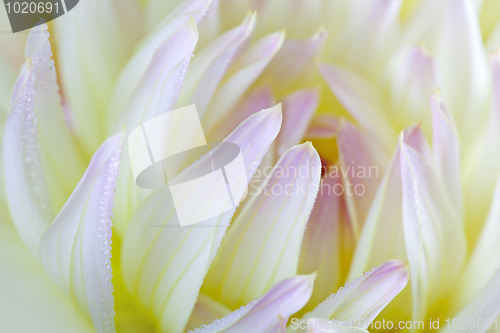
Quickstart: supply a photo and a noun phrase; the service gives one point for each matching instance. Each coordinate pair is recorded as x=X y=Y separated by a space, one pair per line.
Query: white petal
x=137 y=66
x=27 y=291
x=89 y=75
x=361 y=100
x=295 y=61
x=435 y=239
x=62 y=159
x=242 y=74
x=273 y=222
x=484 y=309
x=155 y=94
x=206 y=310
x=412 y=75
x=76 y=249
x=382 y=237
x=210 y=64
x=446 y=152
x=265 y=313
x=163 y=264
x=361 y=159
x=328 y=240
x=450 y=31
x=485 y=258
x=362 y=300
x=298 y=109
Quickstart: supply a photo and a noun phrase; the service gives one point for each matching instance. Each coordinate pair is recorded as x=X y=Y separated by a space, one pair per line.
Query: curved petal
x=62 y=159
x=27 y=291
x=264 y=314
x=155 y=94
x=273 y=222
x=298 y=109
x=210 y=64
x=76 y=249
x=242 y=74
x=361 y=100
x=328 y=240
x=295 y=60
x=89 y=76
x=137 y=66
x=434 y=235
x=484 y=308
x=163 y=264
x=362 y=300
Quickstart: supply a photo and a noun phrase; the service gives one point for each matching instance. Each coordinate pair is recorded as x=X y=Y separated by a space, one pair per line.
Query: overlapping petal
x=76 y=249
x=163 y=264
x=362 y=300
x=89 y=76
x=272 y=221
x=265 y=313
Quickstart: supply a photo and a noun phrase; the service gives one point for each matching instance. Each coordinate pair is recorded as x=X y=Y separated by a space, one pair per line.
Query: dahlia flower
x=333 y=104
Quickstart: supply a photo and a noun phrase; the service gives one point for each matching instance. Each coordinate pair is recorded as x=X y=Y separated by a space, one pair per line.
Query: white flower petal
x=328 y=240
x=485 y=258
x=484 y=308
x=450 y=30
x=361 y=158
x=155 y=94
x=210 y=64
x=362 y=300
x=412 y=75
x=62 y=159
x=382 y=236
x=258 y=99
x=206 y=310
x=89 y=75
x=163 y=264
x=136 y=67
x=295 y=60
x=298 y=109
x=482 y=163
x=272 y=221
x=242 y=74
x=446 y=152
x=361 y=100
x=265 y=313
x=434 y=235
x=76 y=249
x=27 y=291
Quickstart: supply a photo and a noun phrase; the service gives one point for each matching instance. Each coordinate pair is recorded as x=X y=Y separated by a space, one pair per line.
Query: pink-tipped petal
x=435 y=240
x=328 y=240
x=273 y=220
x=363 y=299
x=264 y=314
x=362 y=159
x=76 y=249
x=258 y=99
x=137 y=66
x=298 y=109
x=155 y=94
x=242 y=74
x=211 y=63
x=164 y=264
x=295 y=60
